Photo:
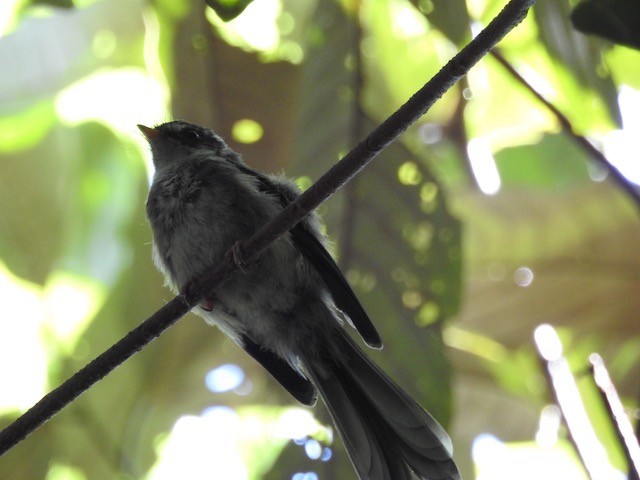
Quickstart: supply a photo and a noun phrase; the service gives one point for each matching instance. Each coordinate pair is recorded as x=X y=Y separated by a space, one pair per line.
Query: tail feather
x=406 y=417
x=386 y=433
x=370 y=458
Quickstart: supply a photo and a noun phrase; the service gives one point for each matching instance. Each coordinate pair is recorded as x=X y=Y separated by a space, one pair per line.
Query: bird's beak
x=149 y=133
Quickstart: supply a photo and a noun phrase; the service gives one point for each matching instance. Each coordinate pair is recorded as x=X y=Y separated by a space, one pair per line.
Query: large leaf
x=59 y=176
x=579 y=54
x=394 y=234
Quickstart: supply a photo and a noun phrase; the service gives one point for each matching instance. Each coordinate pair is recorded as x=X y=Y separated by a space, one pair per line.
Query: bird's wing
x=343 y=296
x=314 y=251
x=298 y=386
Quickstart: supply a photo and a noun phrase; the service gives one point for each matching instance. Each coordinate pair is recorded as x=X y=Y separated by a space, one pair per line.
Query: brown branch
x=513 y=13
x=349 y=217
x=619 y=419
x=54 y=401
x=580 y=140
x=562 y=385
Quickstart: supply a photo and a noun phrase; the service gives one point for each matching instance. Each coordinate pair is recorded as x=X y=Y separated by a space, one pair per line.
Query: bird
x=288 y=309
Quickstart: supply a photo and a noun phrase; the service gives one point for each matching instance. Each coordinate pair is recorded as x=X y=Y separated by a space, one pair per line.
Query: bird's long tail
x=387 y=434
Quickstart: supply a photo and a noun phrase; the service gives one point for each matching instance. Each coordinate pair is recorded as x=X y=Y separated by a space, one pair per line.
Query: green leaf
x=625 y=62
x=555 y=161
x=615 y=20
x=580 y=55
x=26 y=128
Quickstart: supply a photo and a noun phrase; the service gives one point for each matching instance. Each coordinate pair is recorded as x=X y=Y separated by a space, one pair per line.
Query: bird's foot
x=235 y=252
x=207 y=303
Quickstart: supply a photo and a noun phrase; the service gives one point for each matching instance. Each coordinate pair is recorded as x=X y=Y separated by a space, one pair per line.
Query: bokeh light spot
x=247 y=131
x=313 y=449
x=409 y=174
x=104 y=43
x=224 y=378
x=523 y=276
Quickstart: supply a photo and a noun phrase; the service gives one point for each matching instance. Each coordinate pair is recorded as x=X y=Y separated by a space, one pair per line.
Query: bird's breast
x=171 y=197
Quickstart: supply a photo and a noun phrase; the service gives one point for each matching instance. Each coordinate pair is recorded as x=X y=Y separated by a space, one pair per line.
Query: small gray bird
x=288 y=308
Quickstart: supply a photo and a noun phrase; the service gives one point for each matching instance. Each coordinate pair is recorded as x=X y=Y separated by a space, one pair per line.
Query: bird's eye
x=191 y=136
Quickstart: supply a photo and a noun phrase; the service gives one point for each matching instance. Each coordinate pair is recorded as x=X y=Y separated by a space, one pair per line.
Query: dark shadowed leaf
x=228 y=9
x=449 y=16
x=614 y=20
x=55 y=3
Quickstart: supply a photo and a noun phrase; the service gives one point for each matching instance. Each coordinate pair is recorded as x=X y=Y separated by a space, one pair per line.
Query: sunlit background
x=485 y=225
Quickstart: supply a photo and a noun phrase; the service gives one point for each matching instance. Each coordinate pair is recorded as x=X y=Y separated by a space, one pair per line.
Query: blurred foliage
x=293 y=85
